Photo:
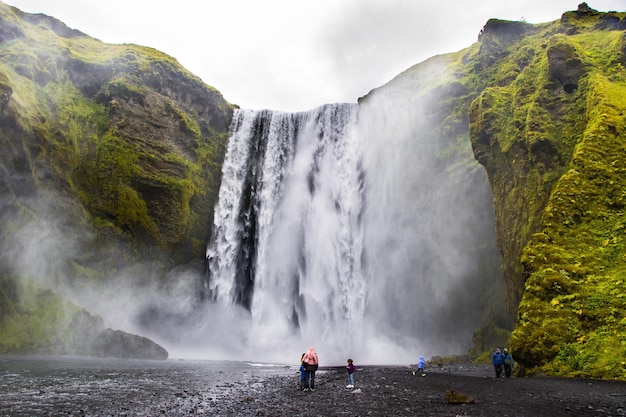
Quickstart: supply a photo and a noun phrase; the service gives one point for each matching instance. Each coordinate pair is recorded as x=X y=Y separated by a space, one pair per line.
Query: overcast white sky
x=295 y=55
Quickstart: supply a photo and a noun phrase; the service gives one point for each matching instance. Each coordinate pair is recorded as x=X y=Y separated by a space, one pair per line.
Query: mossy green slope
x=36 y=320
x=574 y=299
x=551 y=134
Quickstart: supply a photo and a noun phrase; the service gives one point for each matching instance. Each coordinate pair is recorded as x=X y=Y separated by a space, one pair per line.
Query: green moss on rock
x=42 y=322
x=553 y=142
x=123 y=144
x=125 y=128
x=576 y=265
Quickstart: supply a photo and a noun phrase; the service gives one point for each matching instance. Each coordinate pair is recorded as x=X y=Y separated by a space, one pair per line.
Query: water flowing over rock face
x=288 y=241
x=367 y=229
x=346 y=228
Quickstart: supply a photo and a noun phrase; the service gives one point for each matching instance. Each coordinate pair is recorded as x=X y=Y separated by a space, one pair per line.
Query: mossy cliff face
x=125 y=129
x=115 y=147
x=527 y=96
x=551 y=133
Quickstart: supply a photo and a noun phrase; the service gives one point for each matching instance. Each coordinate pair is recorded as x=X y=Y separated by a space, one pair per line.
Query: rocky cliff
x=543 y=107
x=550 y=130
x=117 y=145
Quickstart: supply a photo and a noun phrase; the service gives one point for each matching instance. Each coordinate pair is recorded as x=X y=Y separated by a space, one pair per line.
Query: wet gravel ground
x=395 y=391
x=91 y=387
x=63 y=386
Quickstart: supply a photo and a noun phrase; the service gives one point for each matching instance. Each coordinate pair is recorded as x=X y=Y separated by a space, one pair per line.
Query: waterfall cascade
x=342 y=228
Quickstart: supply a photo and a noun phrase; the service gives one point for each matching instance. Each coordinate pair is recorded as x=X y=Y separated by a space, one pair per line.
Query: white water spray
x=288 y=241
x=344 y=228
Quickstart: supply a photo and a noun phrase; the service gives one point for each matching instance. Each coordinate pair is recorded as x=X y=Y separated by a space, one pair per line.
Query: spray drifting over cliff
x=345 y=228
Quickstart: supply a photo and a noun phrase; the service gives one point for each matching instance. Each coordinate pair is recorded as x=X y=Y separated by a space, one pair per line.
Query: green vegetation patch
x=41 y=321
x=574 y=298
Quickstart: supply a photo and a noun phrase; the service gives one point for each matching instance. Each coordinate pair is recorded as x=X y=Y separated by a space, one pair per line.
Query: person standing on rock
x=507 y=361
x=497 y=361
x=350 y=369
x=311 y=363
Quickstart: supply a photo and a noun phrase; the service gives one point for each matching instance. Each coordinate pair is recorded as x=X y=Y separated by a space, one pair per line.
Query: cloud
x=368 y=43
x=296 y=55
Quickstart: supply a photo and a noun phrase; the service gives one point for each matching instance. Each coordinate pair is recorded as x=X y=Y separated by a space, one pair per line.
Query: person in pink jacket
x=311 y=363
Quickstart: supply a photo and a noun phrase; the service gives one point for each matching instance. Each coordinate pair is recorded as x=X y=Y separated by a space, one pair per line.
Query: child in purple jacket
x=350 y=369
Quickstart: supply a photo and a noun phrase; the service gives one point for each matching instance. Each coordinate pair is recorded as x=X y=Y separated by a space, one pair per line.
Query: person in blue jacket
x=507 y=361
x=421 y=365
x=302 y=373
x=497 y=361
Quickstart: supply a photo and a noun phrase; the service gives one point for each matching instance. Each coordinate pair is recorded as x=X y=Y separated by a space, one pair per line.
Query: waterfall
x=287 y=241
x=344 y=228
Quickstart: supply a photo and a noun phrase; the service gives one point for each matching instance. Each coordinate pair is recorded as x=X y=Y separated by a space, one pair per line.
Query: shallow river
x=68 y=386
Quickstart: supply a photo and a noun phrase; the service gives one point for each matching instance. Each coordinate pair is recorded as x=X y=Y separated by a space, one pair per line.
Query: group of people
x=502 y=359
x=309 y=363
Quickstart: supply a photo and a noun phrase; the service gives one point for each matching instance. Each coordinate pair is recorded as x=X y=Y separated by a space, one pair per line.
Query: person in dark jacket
x=497 y=362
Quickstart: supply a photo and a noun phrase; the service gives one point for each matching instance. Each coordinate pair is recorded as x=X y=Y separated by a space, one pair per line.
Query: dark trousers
x=507 y=370
x=498 y=369
x=310 y=380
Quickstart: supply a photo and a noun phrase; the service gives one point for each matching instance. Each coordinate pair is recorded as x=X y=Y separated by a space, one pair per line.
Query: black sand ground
x=84 y=387
x=394 y=391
